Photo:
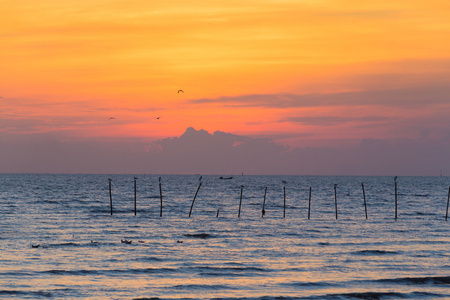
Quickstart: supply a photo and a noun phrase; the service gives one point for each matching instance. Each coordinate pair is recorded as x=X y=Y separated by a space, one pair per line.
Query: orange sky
x=296 y=71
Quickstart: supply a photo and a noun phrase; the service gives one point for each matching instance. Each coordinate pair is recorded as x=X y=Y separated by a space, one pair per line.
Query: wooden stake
x=161 y=197
x=263 y=212
x=309 y=206
x=448 y=200
x=395 y=181
x=364 y=196
x=135 y=195
x=192 y=205
x=217 y=215
x=110 y=196
x=335 y=201
x=284 y=202
x=240 y=202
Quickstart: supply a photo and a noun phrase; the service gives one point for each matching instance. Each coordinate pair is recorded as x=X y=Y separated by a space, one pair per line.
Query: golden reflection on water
x=250 y=257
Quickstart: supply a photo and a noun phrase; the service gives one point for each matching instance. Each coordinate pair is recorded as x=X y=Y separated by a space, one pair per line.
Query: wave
x=57 y=245
x=377 y=296
x=200 y=287
x=72 y=244
x=230 y=271
x=375 y=252
x=48 y=201
x=342 y=296
x=39 y=294
x=199 y=235
x=60 y=293
x=324 y=243
x=150 y=259
x=417 y=280
x=321 y=284
x=96 y=272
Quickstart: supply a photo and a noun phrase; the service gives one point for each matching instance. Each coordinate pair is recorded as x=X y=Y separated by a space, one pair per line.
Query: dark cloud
x=197 y=151
x=224 y=153
x=202 y=152
x=333 y=121
x=403 y=97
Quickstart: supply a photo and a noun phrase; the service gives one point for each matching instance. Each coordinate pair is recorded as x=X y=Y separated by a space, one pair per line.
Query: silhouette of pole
x=263 y=212
x=240 y=202
x=309 y=205
x=395 y=182
x=110 y=196
x=135 y=195
x=448 y=200
x=364 y=196
x=284 y=201
x=335 y=201
x=161 y=197
x=217 y=215
x=192 y=205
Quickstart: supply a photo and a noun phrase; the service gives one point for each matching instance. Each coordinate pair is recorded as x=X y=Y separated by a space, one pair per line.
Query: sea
x=206 y=237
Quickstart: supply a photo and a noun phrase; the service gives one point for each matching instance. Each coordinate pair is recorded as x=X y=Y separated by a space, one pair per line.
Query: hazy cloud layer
x=199 y=152
x=411 y=97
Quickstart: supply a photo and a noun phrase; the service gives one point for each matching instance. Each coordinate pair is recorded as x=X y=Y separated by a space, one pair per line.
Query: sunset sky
x=301 y=74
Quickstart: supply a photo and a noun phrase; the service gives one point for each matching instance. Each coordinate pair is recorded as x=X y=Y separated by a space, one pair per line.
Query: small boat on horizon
x=221 y=177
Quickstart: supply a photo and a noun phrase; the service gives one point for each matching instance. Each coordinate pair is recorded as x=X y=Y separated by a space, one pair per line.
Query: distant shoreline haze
x=221 y=153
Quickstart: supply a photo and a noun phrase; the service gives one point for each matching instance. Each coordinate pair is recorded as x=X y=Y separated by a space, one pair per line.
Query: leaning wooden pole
x=263 y=212
x=192 y=205
x=240 y=202
x=448 y=200
x=110 y=196
x=284 y=201
x=364 y=196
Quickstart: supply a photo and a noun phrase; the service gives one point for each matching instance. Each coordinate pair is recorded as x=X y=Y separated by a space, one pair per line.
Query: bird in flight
x=157 y=118
x=111 y=118
x=180 y=91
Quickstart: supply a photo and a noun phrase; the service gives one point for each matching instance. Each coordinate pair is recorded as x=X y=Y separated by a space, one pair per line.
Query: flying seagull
x=157 y=118
x=111 y=118
x=180 y=91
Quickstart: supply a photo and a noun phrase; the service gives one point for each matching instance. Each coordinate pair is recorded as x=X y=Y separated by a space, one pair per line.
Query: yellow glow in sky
x=70 y=65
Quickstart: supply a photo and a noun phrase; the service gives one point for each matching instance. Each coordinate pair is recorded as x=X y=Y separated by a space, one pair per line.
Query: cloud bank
x=200 y=152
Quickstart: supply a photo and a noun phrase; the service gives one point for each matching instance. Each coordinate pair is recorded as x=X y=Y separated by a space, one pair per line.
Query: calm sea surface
x=81 y=253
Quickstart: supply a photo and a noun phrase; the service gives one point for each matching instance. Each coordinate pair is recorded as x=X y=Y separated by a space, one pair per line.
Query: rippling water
x=80 y=253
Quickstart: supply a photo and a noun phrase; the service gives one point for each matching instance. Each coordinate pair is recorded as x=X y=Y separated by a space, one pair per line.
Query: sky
x=307 y=87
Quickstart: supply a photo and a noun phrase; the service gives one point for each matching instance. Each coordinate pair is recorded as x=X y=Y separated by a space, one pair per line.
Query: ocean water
x=283 y=255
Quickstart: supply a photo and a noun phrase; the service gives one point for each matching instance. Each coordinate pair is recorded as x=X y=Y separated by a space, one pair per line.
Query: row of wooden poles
x=263 y=212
